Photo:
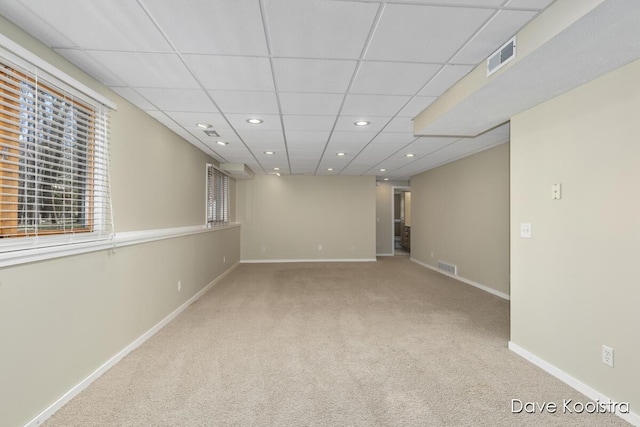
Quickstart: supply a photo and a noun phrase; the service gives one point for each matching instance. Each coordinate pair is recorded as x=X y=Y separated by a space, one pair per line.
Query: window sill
x=127 y=238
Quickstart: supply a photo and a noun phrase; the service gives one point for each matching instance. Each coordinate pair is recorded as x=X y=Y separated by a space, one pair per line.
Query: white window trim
x=12 y=249
x=119 y=240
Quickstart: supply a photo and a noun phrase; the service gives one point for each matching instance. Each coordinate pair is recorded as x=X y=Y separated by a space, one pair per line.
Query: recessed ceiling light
x=222 y=143
x=276 y=169
x=386 y=179
x=203 y=125
x=341 y=154
x=269 y=152
x=409 y=155
x=383 y=170
x=362 y=123
x=329 y=169
x=254 y=121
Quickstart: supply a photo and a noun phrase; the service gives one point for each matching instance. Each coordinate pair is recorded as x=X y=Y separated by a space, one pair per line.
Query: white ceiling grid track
x=308 y=69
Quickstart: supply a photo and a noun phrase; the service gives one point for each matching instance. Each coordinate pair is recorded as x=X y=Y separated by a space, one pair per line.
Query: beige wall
x=384 y=215
x=460 y=214
x=62 y=319
x=287 y=217
x=574 y=283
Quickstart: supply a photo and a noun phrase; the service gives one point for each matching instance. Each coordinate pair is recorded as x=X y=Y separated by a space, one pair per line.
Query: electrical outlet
x=224 y=259
x=607 y=355
x=179 y=285
x=319 y=247
x=525 y=230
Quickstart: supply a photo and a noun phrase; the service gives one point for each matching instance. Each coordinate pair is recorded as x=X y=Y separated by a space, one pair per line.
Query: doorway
x=401 y=226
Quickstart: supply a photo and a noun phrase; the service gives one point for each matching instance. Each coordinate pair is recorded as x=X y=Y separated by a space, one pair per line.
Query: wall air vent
x=501 y=57
x=212 y=133
x=449 y=268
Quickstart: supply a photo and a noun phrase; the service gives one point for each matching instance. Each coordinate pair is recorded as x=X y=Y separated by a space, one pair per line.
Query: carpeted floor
x=329 y=344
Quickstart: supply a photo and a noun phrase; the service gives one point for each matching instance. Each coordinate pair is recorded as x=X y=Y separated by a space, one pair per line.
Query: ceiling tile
x=319 y=29
x=400 y=124
x=475 y=3
x=321 y=104
x=270 y=122
x=354 y=169
x=352 y=137
x=159 y=70
x=313 y=75
x=231 y=72
x=247 y=102
x=380 y=150
x=373 y=105
x=190 y=119
x=346 y=147
x=133 y=97
x=24 y=17
x=309 y=148
x=309 y=123
x=91 y=66
x=505 y=24
x=399 y=138
x=178 y=99
x=529 y=4
x=294 y=137
x=252 y=136
x=161 y=117
x=425 y=145
x=96 y=29
x=424 y=33
x=446 y=77
x=384 y=78
x=346 y=123
x=416 y=106
x=218 y=27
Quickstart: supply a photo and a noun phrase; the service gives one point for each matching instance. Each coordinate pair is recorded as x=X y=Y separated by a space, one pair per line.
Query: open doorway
x=401 y=227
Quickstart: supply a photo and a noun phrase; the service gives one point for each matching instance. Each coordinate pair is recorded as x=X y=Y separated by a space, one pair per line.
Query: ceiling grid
x=308 y=69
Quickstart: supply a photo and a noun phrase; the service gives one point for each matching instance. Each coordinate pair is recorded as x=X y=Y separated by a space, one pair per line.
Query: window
x=217 y=197
x=53 y=161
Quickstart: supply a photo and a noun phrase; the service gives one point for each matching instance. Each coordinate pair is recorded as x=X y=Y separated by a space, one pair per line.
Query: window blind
x=54 y=162
x=217 y=196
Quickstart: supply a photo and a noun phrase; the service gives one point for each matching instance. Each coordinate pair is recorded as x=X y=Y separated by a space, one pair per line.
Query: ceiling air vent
x=501 y=57
x=212 y=133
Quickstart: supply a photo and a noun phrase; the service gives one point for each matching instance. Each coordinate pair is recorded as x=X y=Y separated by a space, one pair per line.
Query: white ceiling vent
x=501 y=57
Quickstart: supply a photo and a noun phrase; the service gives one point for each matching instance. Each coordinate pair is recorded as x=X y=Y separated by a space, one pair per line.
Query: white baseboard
x=40 y=418
x=467 y=281
x=384 y=254
x=267 y=261
x=592 y=394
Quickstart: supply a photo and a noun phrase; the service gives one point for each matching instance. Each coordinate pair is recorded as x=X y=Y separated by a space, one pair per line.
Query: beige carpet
x=329 y=344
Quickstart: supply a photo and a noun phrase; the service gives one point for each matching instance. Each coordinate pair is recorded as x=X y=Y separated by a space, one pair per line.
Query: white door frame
x=393 y=210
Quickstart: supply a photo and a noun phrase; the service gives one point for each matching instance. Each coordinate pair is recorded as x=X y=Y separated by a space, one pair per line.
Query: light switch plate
x=525 y=230
x=556 y=191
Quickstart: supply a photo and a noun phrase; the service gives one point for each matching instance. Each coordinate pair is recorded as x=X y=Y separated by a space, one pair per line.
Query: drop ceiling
x=309 y=69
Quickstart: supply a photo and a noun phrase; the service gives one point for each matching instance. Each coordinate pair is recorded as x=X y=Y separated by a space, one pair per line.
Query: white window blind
x=217 y=197
x=54 y=162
